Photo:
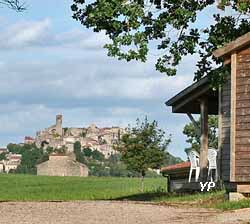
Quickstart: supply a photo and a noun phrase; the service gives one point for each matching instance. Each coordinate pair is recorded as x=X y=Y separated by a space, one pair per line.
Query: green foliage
x=133 y=25
x=65 y=130
x=41 y=188
x=56 y=135
x=193 y=138
x=83 y=134
x=97 y=155
x=143 y=147
x=49 y=150
x=170 y=159
x=78 y=152
x=16 y=148
x=77 y=147
x=87 y=152
x=31 y=156
x=2 y=156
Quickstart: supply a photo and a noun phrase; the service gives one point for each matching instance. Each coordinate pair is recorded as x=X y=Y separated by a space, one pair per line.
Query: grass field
x=41 y=188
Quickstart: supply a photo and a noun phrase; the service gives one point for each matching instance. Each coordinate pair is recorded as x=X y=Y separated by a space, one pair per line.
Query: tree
x=31 y=156
x=193 y=138
x=97 y=155
x=87 y=152
x=170 y=159
x=78 y=152
x=14 y=5
x=3 y=156
x=77 y=147
x=169 y=25
x=143 y=147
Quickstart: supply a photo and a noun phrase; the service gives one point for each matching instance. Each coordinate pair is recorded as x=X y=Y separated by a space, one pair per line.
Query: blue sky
x=50 y=64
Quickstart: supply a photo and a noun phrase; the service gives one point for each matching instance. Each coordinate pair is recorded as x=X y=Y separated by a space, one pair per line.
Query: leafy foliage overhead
x=193 y=138
x=132 y=25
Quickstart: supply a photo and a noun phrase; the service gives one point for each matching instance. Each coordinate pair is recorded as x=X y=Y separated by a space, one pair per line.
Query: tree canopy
x=193 y=138
x=31 y=156
x=170 y=26
x=143 y=147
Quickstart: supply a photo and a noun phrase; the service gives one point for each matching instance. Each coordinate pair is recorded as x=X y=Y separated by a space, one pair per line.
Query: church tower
x=59 y=129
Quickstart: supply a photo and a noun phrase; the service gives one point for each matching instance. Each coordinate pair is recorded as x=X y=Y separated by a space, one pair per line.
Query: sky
x=50 y=64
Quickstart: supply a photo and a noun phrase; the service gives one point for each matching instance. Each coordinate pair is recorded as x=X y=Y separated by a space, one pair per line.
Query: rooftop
x=176 y=166
x=235 y=45
x=188 y=100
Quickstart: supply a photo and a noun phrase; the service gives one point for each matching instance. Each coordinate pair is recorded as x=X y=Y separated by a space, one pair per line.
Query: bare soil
x=107 y=212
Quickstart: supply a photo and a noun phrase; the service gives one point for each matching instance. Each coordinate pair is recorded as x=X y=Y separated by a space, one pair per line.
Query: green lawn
x=42 y=188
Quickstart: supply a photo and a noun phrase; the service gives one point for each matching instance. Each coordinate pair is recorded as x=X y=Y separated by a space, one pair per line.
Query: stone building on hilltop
x=92 y=137
x=62 y=165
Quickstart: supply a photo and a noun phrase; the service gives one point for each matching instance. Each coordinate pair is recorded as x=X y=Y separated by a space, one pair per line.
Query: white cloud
x=40 y=34
x=25 y=34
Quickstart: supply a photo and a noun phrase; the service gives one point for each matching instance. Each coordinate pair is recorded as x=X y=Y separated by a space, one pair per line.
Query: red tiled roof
x=28 y=138
x=176 y=166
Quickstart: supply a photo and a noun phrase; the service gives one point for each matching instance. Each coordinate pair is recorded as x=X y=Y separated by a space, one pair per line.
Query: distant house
x=62 y=165
x=1 y=167
x=3 y=150
x=29 y=140
x=12 y=162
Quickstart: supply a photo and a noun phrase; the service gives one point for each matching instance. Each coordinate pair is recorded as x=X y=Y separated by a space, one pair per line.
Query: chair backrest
x=193 y=155
x=212 y=157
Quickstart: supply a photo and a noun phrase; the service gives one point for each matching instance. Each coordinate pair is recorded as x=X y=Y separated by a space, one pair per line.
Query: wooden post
x=220 y=134
x=204 y=139
x=233 y=115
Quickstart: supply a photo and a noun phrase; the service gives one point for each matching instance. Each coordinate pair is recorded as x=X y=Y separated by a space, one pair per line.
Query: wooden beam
x=196 y=126
x=219 y=159
x=233 y=46
x=204 y=139
x=243 y=188
x=233 y=115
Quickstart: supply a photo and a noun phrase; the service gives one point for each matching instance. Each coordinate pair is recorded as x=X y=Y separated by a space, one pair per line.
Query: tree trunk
x=204 y=140
x=142 y=181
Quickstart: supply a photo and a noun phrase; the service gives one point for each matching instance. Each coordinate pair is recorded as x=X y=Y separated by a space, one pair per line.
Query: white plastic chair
x=212 y=163
x=194 y=160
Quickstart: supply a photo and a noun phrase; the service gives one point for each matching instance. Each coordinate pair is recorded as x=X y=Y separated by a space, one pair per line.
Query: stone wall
x=61 y=165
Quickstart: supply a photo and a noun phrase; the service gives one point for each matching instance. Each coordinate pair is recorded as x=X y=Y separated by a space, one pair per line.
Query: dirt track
x=105 y=212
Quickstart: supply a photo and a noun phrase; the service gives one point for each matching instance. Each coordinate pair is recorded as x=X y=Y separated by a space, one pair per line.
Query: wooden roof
x=188 y=100
x=235 y=45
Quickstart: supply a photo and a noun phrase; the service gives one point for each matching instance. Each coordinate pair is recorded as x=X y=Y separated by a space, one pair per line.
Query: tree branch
x=14 y=5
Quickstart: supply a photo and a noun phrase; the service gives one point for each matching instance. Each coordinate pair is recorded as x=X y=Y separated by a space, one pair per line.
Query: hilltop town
x=56 y=136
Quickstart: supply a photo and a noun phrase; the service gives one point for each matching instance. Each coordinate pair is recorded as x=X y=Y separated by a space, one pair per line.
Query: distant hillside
x=170 y=160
